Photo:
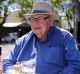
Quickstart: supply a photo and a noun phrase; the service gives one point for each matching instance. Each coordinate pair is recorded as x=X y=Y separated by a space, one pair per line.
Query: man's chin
x=39 y=36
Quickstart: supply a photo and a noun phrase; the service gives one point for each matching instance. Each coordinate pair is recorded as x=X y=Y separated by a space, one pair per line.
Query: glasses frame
x=38 y=19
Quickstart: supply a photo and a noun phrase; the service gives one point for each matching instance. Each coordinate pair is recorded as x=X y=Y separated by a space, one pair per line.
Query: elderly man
x=53 y=50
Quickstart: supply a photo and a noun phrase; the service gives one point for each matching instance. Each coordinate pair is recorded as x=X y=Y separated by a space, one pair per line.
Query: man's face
x=40 y=24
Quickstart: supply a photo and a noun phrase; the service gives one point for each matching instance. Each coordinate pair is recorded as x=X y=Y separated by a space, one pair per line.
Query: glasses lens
x=47 y=17
x=38 y=19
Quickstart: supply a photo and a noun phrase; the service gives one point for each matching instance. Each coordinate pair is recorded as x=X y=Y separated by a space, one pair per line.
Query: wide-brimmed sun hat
x=43 y=7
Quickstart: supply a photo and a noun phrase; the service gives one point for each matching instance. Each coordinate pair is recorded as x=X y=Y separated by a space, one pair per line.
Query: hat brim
x=36 y=13
x=54 y=14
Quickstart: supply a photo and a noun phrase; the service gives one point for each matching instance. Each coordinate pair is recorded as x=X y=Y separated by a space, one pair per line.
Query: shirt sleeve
x=18 y=47
x=72 y=56
x=11 y=59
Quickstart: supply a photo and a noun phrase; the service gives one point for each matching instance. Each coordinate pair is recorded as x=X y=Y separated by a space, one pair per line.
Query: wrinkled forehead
x=40 y=15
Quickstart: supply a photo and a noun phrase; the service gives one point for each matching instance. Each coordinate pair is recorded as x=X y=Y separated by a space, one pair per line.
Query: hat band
x=40 y=11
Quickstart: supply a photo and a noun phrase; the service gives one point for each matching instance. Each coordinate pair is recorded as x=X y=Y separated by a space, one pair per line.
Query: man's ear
x=52 y=20
x=53 y=17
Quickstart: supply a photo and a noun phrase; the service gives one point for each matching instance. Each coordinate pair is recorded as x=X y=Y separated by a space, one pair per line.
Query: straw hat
x=42 y=7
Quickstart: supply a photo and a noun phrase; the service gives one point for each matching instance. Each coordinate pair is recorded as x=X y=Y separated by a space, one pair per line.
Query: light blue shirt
x=58 y=54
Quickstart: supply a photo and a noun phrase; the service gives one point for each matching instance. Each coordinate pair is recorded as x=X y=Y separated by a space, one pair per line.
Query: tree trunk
x=3 y=21
x=76 y=12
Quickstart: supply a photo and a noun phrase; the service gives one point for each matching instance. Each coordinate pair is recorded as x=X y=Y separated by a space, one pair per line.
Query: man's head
x=41 y=24
x=41 y=19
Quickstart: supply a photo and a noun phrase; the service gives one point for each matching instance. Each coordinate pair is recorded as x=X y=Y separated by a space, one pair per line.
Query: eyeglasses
x=38 y=19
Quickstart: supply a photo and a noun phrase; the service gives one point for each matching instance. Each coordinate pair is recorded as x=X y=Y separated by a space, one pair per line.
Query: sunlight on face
x=40 y=25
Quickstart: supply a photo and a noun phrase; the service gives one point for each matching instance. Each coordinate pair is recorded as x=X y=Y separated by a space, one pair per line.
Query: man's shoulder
x=62 y=33
x=60 y=29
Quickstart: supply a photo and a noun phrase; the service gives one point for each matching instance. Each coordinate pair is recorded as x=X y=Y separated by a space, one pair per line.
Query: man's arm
x=72 y=56
x=11 y=59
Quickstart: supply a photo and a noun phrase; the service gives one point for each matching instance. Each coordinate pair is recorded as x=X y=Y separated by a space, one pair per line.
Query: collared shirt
x=57 y=54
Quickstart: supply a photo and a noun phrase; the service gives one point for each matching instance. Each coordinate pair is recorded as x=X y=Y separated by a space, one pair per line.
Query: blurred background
x=13 y=23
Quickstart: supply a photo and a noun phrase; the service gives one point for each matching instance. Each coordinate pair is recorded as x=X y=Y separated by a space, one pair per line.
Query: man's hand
x=18 y=67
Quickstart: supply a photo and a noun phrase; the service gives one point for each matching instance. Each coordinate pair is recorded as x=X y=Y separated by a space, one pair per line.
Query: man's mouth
x=37 y=28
